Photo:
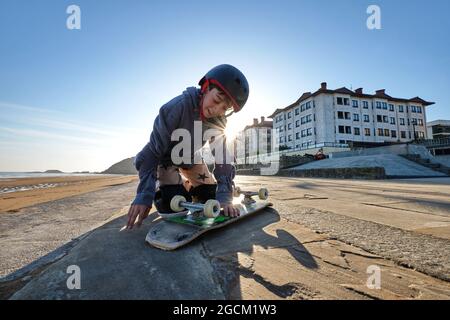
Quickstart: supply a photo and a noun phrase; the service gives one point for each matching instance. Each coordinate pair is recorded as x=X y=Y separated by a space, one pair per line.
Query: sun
x=233 y=128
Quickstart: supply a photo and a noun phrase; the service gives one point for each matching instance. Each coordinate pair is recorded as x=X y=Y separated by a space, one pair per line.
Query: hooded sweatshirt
x=179 y=113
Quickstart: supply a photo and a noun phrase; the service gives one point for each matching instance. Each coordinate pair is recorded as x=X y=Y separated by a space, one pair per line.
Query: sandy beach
x=45 y=189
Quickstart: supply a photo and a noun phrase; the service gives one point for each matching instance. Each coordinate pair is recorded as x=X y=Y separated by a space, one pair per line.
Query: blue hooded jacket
x=179 y=113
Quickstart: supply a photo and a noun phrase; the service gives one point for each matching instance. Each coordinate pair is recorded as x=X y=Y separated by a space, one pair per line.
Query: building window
x=419 y=109
x=392 y=120
x=308 y=118
x=289 y=126
x=385 y=119
x=348 y=130
x=346 y=101
x=297 y=111
x=297 y=135
x=420 y=122
x=297 y=123
x=347 y=115
x=290 y=137
x=413 y=109
x=380 y=132
x=309 y=132
x=355 y=117
x=302 y=107
x=356 y=131
x=308 y=105
x=367 y=131
x=385 y=105
x=421 y=134
x=341 y=129
x=365 y=105
x=391 y=107
x=289 y=115
x=386 y=132
x=340 y=115
x=414 y=121
x=378 y=105
x=355 y=103
x=393 y=134
x=366 y=118
x=403 y=134
x=379 y=118
x=303 y=133
x=402 y=121
x=339 y=101
x=400 y=108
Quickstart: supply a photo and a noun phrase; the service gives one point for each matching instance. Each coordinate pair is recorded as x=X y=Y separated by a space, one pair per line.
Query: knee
x=203 y=192
x=165 y=194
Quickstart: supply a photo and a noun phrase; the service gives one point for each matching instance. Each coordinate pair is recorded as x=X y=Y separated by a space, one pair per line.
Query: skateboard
x=194 y=219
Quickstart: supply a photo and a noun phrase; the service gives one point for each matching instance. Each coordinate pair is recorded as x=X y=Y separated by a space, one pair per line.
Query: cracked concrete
x=290 y=251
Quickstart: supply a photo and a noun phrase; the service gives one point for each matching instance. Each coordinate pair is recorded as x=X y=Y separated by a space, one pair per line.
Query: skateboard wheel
x=175 y=203
x=263 y=193
x=212 y=208
x=236 y=192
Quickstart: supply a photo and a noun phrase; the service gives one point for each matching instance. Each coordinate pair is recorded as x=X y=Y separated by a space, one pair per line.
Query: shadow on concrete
x=248 y=236
x=118 y=264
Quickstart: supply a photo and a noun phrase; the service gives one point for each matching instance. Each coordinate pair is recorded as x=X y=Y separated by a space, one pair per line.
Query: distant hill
x=53 y=171
x=123 y=167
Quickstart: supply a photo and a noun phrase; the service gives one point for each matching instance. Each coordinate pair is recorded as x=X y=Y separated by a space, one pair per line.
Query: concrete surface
x=443 y=159
x=393 y=165
x=316 y=243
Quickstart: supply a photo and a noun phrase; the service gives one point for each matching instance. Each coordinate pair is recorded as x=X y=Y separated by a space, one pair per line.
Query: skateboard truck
x=211 y=208
x=263 y=194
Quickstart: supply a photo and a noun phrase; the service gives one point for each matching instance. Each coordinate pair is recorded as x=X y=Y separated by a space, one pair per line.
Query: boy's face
x=215 y=103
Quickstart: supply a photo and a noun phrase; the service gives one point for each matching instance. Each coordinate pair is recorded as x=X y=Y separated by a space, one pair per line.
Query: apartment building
x=256 y=139
x=340 y=116
x=438 y=129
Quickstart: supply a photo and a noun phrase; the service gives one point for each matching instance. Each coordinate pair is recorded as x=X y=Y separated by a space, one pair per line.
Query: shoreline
x=18 y=193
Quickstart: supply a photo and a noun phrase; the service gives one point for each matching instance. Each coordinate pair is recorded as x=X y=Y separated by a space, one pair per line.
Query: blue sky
x=84 y=99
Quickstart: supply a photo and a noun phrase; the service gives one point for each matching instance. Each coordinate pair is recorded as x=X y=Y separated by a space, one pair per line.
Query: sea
x=14 y=175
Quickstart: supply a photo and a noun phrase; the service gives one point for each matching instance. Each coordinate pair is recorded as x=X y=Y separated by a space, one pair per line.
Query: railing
x=434 y=143
x=274 y=156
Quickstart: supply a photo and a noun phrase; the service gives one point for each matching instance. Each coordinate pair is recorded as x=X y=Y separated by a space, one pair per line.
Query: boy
x=223 y=89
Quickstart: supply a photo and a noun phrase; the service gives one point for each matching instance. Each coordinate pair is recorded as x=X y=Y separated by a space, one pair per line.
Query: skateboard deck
x=172 y=233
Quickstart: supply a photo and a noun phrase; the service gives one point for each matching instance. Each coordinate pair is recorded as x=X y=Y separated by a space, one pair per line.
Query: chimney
x=255 y=121
x=262 y=119
x=381 y=91
x=359 y=91
x=323 y=86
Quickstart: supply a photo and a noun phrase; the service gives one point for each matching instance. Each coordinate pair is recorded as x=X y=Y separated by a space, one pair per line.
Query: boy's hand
x=230 y=211
x=137 y=210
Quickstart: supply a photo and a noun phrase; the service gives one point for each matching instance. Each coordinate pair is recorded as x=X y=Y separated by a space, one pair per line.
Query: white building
x=438 y=129
x=256 y=139
x=333 y=117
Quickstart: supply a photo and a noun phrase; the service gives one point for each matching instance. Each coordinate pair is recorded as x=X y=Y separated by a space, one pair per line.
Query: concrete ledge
x=342 y=173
